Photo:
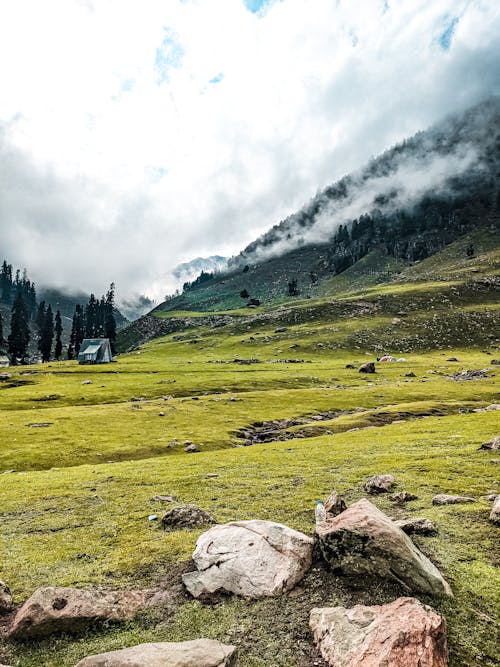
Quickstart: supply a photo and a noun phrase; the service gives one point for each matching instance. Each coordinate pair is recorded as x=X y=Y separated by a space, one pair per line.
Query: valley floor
x=81 y=463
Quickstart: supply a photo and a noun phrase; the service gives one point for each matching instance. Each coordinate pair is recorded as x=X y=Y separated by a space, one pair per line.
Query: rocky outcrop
x=196 y=653
x=52 y=610
x=379 y=484
x=249 y=558
x=495 y=511
x=364 y=541
x=445 y=499
x=6 y=603
x=186 y=516
x=417 y=526
x=404 y=633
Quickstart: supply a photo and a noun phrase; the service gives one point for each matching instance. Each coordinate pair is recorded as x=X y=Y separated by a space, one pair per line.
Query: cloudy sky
x=137 y=135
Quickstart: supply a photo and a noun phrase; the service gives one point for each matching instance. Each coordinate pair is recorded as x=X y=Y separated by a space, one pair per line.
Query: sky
x=138 y=135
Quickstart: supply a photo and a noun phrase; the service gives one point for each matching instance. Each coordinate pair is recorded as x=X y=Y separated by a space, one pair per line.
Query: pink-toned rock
x=334 y=504
x=495 y=512
x=6 y=603
x=404 y=633
x=196 y=653
x=50 y=610
x=379 y=484
x=365 y=541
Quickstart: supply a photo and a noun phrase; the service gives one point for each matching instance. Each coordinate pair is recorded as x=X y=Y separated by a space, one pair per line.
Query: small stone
x=495 y=512
x=87 y=382
x=445 y=499
x=417 y=526
x=186 y=516
x=161 y=414
x=164 y=499
x=492 y=444
x=153 y=517
x=411 y=374
x=452 y=359
x=367 y=368
x=191 y=449
x=6 y=603
x=334 y=504
x=403 y=497
x=212 y=475
x=379 y=484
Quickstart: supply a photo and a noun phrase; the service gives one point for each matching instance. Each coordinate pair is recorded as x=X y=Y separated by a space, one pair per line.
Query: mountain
x=187 y=271
x=402 y=207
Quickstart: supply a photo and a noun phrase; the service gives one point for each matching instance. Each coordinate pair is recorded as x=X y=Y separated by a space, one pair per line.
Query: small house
x=95 y=351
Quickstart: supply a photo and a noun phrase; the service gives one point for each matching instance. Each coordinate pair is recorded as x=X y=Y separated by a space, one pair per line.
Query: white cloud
x=138 y=135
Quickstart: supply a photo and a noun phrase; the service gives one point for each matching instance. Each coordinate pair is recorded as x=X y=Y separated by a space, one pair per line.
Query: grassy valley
x=85 y=450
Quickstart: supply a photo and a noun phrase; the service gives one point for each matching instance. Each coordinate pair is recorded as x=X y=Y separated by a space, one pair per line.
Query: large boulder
x=495 y=511
x=365 y=541
x=379 y=484
x=50 y=610
x=196 y=653
x=250 y=558
x=404 y=633
x=6 y=603
x=186 y=516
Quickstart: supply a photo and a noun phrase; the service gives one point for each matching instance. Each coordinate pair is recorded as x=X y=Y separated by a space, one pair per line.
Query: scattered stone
x=134 y=399
x=5 y=376
x=364 y=541
x=403 y=497
x=161 y=414
x=495 y=461
x=334 y=504
x=495 y=362
x=411 y=374
x=417 y=526
x=281 y=330
x=52 y=610
x=452 y=359
x=444 y=499
x=249 y=558
x=246 y=362
x=212 y=475
x=350 y=366
x=495 y=512
x=479 y=374
x=403 y=633
x=492 y=444
x=153 y=517
x=367 y=368
x=39 y=425
x=186 y=516
x=6 y=603
x=195 y=653
x=488 y=408
x=379 y=484
x=164 y=499
x=191 y=449
x=87 y=382
x=396 y=320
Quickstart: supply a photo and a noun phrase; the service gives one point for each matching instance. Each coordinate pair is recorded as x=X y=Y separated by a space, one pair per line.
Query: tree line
x=95 y=320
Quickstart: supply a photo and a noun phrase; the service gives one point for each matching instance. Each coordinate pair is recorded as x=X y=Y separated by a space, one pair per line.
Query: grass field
x=76 y=493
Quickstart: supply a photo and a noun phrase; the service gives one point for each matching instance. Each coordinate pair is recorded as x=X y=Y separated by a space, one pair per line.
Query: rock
x=334 y=504
x=249 y=558
x=367 y=368
x=403 y=497
x=87 y=382
x=50 y=610
x=161 y=414
x=444 y=499
x=6 y=603
x=164 y=499
x=379 y=484
x=492 y=444
x=495 y=512
x=452 y=359
x=411 y=374
x=404 y=633
x=350 y=366
x=4 y=377
x=191 y=449
x=495 y=362
x=417 y=526
x=196 y=653
x=364 y=541
x=476 y=374
x=281 y=330
x=186 y=516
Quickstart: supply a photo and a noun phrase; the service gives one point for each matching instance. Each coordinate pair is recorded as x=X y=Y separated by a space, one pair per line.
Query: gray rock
x=492 y=444
x=53 y=610
x=417 y=526
x=334 y=504
x=379 y=484
x=404 y=633
x=367 y=368
x=445 y=499
x=186 y=516
x=196 y=653
x=249 y=558
x=6 y=603
x=403 y=497
x=191 y=449
x=364 y=541
x=495 y=512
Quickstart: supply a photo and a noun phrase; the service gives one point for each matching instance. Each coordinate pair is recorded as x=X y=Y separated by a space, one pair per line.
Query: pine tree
x=58 y=330
x=39 y=321
x=91 y=317
x=47 y=334
x=2 y=339
x=19 y=336
x=109 y=317
x=6 y=283
x=77 y=332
